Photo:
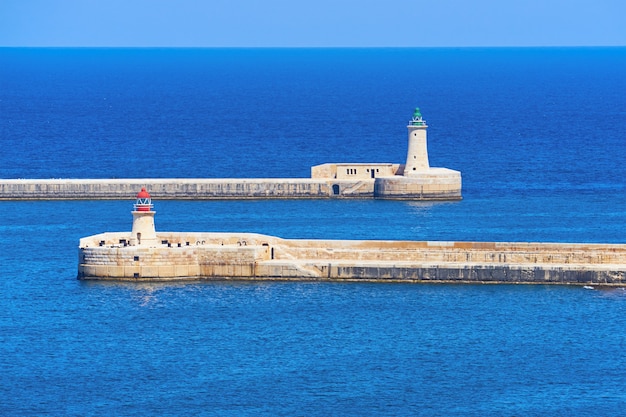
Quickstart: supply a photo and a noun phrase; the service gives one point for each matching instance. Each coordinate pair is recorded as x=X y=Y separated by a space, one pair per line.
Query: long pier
x=247 y=256
x=397 y=187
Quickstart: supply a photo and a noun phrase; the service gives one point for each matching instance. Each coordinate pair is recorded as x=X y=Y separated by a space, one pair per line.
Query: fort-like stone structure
x=144 y=254
x=414 y=180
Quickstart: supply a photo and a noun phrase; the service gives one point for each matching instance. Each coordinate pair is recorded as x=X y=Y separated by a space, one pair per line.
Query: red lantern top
x=144 y=201
x=143 y=194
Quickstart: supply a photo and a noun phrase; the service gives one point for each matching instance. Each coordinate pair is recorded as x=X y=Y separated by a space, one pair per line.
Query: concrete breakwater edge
x=447 y=187
x=245 y=256
x=145 y=255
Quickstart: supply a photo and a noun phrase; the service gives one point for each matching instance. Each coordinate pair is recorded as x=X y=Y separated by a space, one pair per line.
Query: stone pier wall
x=253 y=256
x=432 y=184
x=178 y=189
x=231 y=188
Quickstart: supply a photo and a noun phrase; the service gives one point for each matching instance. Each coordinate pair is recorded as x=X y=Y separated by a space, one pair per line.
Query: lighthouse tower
x=417 y=156
x=143 y=232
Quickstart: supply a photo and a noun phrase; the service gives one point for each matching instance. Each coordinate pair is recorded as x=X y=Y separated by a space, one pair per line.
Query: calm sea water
x=539 y=135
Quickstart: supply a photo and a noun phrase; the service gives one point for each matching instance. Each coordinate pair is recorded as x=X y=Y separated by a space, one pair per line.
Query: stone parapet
x=166 y=188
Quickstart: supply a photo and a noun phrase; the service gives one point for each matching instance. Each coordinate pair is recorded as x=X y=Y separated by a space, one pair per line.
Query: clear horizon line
x=307 y=47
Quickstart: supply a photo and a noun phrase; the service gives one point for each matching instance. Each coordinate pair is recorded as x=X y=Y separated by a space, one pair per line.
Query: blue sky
x=313 y=23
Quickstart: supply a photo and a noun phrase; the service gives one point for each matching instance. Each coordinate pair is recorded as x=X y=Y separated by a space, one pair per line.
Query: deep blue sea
x=539 y=135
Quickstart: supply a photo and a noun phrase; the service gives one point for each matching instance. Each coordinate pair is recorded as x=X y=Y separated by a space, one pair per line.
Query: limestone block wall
x=352 y=171
x=452 y=252
x=225 y=188
x=435 y=186
x=68 y=189
x=324 y=171
x=179 y=189
x=254 y=256
x=108 y=256
x=365 y=171
x=432 y=184
x=450 y=273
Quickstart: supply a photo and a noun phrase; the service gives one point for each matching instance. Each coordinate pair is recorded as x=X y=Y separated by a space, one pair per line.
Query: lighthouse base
x=428 y=184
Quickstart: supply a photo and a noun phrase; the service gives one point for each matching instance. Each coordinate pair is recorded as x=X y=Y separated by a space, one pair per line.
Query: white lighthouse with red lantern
x=143 y=233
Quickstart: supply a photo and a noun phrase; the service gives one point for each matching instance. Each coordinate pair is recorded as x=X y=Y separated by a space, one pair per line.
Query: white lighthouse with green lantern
x=417 y=156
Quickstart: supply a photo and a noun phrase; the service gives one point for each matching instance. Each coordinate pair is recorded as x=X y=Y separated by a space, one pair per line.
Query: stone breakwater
x=245 y=256
x=442 y=186
x=414 y=180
